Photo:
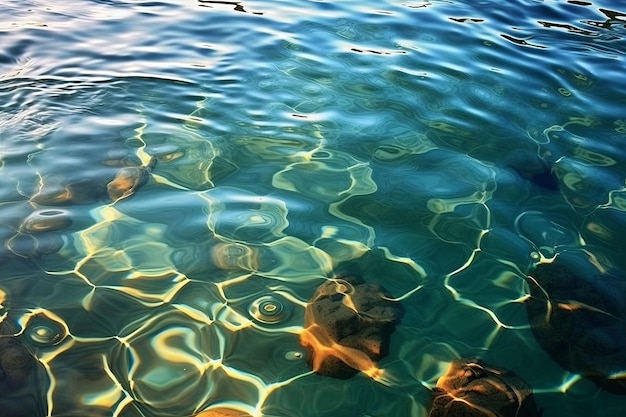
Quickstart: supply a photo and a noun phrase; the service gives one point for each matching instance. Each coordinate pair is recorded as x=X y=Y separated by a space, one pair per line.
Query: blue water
x=439 y=149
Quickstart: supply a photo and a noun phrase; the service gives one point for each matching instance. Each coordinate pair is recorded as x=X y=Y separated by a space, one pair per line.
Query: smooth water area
x=437 y=148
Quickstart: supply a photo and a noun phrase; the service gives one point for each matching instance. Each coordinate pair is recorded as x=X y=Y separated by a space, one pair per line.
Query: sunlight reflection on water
x=438 y=149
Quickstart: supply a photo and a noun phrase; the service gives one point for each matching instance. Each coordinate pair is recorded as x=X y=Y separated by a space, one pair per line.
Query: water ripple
x=439 y=148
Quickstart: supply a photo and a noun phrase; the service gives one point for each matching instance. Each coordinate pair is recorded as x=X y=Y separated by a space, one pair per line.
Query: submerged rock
x=19 y=371
x=36 y=235
x=46 y=220
x=26 y=245
x=56 y=191
x=471 y=389
x=128 y=180
x=94 y=186
x=581 y=322
x=539 y=174
x=347 y=326
x=15 y=364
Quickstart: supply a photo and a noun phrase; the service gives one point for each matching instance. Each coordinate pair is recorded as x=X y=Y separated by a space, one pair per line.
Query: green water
x=284 y=143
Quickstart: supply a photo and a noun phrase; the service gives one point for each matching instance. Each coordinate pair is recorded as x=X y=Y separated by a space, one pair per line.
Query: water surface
x=439 y=149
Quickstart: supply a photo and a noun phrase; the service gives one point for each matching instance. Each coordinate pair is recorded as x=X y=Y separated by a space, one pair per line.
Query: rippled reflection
x=179 y=180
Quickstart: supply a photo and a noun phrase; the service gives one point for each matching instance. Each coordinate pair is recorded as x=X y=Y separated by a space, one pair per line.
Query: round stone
x=46 y=220
x=27 y=245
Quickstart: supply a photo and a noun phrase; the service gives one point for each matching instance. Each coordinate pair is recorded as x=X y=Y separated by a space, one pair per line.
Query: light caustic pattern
x=183 y=342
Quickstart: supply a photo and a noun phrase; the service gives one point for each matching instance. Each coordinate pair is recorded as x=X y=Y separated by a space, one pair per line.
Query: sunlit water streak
x=439 y=149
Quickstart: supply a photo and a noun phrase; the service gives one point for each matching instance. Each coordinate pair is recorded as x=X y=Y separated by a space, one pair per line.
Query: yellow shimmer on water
x=324 y=346
x=222 y=412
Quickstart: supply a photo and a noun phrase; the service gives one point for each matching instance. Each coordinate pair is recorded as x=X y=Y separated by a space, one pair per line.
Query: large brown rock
x=471 y=389
x=347 y=326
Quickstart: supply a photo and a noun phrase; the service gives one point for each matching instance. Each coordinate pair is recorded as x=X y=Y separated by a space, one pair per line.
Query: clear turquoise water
x=294 y=141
